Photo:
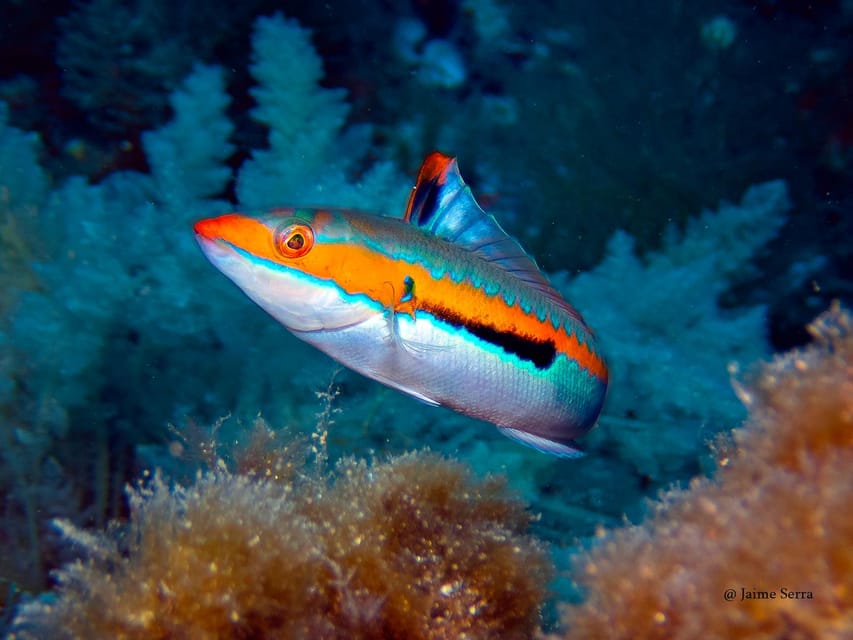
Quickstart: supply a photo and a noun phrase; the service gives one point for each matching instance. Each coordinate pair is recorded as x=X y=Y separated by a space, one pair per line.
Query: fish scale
x=440 y=304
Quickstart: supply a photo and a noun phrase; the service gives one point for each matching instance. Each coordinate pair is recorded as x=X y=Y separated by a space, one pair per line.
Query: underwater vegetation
x=114 y=325
x=266 y=546
x=410 y=547
x=775 y=518
x=682 y=171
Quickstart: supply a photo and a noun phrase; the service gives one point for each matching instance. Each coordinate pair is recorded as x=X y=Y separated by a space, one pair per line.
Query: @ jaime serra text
x=739 y=594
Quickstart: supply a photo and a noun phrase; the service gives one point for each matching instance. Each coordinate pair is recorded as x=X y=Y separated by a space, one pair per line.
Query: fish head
x=285 y=260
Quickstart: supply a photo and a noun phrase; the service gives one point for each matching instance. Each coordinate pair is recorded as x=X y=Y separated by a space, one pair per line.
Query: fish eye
x=294 y=240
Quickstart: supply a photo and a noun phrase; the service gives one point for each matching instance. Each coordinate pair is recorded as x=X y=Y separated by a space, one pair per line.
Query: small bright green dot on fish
x=409 y=289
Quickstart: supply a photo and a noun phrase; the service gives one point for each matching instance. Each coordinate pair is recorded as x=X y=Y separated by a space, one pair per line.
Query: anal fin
x=561 y=448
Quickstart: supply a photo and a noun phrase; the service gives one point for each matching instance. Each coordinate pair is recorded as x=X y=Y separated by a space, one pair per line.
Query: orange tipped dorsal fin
x=443 y=205
x=431 y=177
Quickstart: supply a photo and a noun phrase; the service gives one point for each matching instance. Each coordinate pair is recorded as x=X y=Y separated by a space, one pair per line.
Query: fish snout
x=205 y=228
x=215 y=228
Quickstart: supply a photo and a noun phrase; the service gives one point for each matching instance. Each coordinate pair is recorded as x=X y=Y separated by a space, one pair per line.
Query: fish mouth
x=329 y=328
x=215 y=249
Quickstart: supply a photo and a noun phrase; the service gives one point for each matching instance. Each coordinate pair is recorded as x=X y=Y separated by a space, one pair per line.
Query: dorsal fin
x=442 y=204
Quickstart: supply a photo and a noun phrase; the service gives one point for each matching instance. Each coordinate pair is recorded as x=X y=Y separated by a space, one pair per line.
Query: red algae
x=764 y=549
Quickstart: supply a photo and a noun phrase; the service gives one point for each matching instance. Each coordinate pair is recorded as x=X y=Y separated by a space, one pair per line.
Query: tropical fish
x=440 y=304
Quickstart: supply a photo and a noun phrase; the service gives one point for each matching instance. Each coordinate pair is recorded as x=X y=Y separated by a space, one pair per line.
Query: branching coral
x=776 y=520
x=23 y=187
x=310 y=156
x=119 y=59
x=106 y=332
x=409 y=548
x=28 y=480
x=663 y=310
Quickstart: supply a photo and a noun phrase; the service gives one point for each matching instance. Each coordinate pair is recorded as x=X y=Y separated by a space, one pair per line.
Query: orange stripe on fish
x=444 y=297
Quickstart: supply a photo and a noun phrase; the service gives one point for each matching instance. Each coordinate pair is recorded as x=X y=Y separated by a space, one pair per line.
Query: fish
x=439 y=303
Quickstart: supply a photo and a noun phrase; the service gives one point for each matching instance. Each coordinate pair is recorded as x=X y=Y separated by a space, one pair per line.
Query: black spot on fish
x=540 y=352
x=408 y=289
x=426 y=202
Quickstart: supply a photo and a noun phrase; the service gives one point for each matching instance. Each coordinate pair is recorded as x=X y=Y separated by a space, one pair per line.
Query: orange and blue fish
x=440 y=304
